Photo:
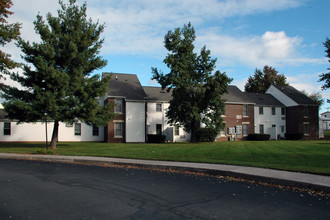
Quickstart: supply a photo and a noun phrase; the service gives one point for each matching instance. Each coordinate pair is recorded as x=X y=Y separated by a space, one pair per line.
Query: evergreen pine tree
x=8 y=32
x=59 y=83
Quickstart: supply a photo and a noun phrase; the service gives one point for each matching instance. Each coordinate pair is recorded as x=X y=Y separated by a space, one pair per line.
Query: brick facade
x=109 y=130
x=234 y=117
x=296 y=121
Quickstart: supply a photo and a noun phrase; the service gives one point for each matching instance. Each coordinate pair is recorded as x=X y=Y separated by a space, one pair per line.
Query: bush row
x=156 y=138
x=293 y=136
x=258 y=137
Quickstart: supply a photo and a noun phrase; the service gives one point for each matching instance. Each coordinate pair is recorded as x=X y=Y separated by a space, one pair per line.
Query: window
x=245 y=110
x=261 y=129
x=273 y=111
x=245 y=130
x=283 y=111
x=238 y=129
x=306 y=129
x=6 y=128
x=176 y=130
x=119 y=106
x=261 y=110
x=283 y=129
x=158 y=107
x=158 y=129
x=77 y=129
x=118 y=129
x=95 y=130
x=305 y=111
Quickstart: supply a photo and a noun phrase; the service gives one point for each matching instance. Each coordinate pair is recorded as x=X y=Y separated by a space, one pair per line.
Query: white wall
x=267 y=119
x=281 y=96
x=154 y=117
x=135 y=122
x=26 y=132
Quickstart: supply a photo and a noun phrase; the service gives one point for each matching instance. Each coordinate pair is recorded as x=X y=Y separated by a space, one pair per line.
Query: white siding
x=37 y=132
x=154 y=118
x=281 y=96
x=135 y=122
x=268 y=120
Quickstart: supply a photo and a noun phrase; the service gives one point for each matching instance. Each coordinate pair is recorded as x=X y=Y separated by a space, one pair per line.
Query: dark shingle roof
x=296 y=96
x=125 y=85
x=235 y=95
x=263 y=99
x=157 y=94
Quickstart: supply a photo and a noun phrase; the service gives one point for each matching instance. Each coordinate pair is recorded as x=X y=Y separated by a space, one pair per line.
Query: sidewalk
x=304 y=180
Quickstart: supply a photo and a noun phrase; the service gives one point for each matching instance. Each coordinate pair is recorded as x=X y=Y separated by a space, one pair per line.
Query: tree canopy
x=262 y=80
x=8 y=32
x=315 y=96
x=197 y=91
x=326 y=76
x=59 y=83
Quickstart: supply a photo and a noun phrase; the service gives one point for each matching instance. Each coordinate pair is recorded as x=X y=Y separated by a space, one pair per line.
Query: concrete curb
x=287 y=178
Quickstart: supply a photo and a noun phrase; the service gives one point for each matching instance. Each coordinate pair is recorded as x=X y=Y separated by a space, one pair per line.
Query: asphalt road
x=38 y=190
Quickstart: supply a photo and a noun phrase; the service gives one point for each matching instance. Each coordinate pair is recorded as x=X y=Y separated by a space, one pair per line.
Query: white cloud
x=271 y=48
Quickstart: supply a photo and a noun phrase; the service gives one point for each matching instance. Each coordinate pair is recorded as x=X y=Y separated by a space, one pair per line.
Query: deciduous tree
x=262 y=80
x=59 y=82
x=326 y=76
x=196 y=89
x=315 y=96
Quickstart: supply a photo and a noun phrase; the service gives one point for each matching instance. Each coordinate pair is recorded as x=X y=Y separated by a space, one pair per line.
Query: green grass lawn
x=302 y=156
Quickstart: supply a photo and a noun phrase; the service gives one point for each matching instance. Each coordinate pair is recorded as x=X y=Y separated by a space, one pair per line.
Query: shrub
x=293 y=136
x=206 y=134
x=156 y=138
x=258 y=137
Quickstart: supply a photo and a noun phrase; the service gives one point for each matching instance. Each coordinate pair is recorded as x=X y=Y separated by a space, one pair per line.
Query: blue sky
x=242 y=34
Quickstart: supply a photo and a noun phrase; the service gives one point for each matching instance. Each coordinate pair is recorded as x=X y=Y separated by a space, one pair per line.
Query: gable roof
x=235 y=95
x=295 y=95
x=125 y=85
x=263 y=99
x=157 y=93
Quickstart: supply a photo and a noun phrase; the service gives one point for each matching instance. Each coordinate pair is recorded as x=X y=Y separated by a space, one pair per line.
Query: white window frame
x=245 y=110
x=94 y=129
x=261 y=110
x=118 y=131
x=77 y=129
x=118 y=106
x=158 y=107
x=176 y=130
x=263 y=129
x=5 y=128
x=245 y=130
x=273 y=111
x=306 y=125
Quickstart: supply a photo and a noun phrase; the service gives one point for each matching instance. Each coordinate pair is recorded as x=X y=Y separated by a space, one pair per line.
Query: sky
x=242 y=34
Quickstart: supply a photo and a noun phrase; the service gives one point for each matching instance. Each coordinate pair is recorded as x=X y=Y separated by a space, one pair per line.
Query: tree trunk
x=54 y=136
x=195 y=126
